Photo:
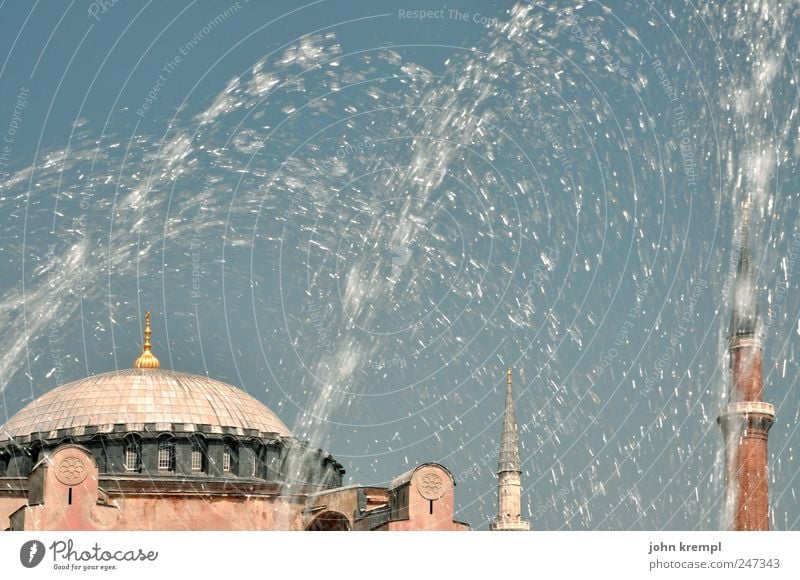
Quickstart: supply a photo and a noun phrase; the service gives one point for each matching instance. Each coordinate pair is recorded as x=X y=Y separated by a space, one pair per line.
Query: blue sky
x=362 y=212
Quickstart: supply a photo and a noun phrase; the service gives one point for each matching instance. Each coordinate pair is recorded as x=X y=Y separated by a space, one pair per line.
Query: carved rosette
x=430 y=485
x=71 y=470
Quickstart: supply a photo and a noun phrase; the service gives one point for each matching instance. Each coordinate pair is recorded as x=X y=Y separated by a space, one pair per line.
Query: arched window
x=255 y=452
x=329 y=521
x=197 y=455
x=35 y=453
x=166 y=455
x=229 y=457
x=99 y=447
x=133 y=454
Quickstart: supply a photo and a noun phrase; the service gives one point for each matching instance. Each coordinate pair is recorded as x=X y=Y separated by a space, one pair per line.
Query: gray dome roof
x=143 y=399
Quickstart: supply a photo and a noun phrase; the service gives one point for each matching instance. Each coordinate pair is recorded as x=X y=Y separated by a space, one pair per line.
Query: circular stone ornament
x=71 y=470
x=430 y=484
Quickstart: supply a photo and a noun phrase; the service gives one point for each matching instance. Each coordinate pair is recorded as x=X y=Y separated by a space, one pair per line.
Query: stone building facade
x=151 y=449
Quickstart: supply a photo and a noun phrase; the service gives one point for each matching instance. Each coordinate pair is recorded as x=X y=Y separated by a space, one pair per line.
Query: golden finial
x=508 y=375
x=146 y=360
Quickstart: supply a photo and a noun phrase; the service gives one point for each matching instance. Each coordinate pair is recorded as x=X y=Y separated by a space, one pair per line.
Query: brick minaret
x=509 y=475
x=746 y=418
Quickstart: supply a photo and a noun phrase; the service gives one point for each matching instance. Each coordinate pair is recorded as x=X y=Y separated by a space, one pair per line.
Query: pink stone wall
x=206 y=513
x=70 y=492
x=431 y=489
x=168 y=513
x=69 y=501
x=8 y=505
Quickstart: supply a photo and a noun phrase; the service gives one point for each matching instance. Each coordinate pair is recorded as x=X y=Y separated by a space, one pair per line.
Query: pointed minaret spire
x=509 y=474
x=746 y=419
x=744 y=315
x=509 y=442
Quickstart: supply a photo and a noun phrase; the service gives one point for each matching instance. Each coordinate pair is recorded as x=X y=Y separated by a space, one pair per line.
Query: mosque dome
x=146 y=434
x=143 y=398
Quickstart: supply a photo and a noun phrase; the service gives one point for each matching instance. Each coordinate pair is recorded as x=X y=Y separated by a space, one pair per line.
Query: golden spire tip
x=146 y=360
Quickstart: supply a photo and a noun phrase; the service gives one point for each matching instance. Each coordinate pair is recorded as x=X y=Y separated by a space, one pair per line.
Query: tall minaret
x=509 y=475
x=746 y=419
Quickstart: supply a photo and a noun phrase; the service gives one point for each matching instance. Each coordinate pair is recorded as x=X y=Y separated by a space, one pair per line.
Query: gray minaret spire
x=509 y=474
x=745 y=304
x=509 y=443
